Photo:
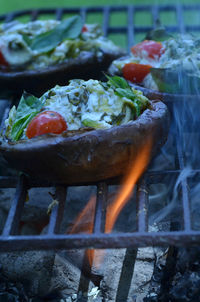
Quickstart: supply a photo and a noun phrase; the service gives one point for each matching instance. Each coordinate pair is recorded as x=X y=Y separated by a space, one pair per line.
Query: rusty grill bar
x=10 y=240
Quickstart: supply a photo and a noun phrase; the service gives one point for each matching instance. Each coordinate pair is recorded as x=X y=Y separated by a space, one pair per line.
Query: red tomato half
x=3 y=61
x=46 y=122
x=135 y=72
x=152 y=48
x=84 y=28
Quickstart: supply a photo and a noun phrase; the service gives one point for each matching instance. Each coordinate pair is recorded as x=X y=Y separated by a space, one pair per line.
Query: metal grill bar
x=185 y=194
x=83 y=14
x=142 y=204
x=155 y=15
x=106 y=16
x=100 y=208
x=57 y=211
x=180 y=19
x=130 y=33
x=13 y=219
x=115 y=240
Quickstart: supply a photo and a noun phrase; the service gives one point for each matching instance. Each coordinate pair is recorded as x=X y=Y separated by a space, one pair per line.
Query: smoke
x=181 y=153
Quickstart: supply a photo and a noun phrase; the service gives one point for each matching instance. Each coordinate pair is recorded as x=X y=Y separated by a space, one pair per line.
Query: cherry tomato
x=135 y=72
x=3 y=61
x=46 y=122
x=84 y=28
x=153 y=49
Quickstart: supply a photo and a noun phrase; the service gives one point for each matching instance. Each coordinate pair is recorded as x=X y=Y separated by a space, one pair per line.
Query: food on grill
x=105 y=124
x=166 y=66
x=38 y=55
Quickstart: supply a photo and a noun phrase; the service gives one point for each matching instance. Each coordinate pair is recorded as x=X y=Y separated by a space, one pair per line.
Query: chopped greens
x=42 y=43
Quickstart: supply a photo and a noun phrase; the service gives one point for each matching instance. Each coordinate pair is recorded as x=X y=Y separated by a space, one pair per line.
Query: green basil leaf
x=67 y=29
x=118 y=82
x=20 y=125
x=28 y=107
x=27 y=104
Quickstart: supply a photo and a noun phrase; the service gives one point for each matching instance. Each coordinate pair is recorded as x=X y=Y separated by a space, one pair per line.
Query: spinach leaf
x=67 y=29
x=28 y=107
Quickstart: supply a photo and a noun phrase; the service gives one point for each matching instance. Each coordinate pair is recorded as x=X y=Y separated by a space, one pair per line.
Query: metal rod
x=13 y=219
x=130 y=28
x=83 y=14
x=34 y=15
x=126 y=275
x=106 y=17
x=180 y=22
x=9 y=17
x=100 y=208
x=103 y=241
x=57 y=211
x=185 y=193
x=59 y=13
x=142 y=204
x=155 y=16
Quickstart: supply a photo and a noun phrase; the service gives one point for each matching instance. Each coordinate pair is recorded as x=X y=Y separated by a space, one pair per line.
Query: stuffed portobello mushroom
x=169 y=66
x=37 y=55
x=84 y=132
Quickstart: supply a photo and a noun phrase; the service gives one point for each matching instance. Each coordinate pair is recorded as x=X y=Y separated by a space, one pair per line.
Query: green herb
x=67 y=29
x=29 y=106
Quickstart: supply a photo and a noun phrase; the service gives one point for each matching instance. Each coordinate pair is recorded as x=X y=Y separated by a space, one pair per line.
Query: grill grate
x=10 y=240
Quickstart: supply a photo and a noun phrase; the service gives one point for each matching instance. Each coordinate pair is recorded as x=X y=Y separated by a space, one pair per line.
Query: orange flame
x=84 y=224
x=137 y=167
x=85 y=221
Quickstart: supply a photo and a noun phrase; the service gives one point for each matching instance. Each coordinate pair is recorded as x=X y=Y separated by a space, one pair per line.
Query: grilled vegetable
x=86 y=154
x=41 y=54
x=175 y=63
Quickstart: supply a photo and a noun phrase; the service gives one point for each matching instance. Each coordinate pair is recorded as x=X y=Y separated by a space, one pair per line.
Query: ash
x=180 y=281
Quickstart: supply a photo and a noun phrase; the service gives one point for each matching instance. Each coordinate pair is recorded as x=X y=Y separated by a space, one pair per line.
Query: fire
x=137 y=167
x=84 y=224
x=85 y=221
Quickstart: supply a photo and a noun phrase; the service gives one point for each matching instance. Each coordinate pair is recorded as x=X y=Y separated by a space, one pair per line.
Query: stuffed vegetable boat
x=84 y=132
x=168 y=65
x=38 y=55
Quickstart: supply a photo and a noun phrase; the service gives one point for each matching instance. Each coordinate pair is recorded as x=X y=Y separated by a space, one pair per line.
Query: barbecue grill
x=185 y=235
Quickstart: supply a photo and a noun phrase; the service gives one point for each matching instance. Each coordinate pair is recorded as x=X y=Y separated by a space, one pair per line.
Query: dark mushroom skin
x=86 y=66
x=89 y=156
